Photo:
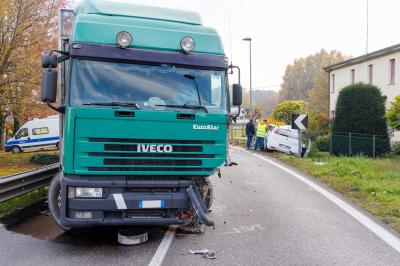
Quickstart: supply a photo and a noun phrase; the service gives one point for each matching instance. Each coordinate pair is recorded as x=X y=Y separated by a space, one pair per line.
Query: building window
x=392 y=71
x=370 y=73
x=353 y=76
x=333 y=83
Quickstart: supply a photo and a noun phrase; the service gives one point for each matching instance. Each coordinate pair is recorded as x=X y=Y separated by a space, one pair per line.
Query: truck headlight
x=124 y=39
x=187 y=44
x=86 y=192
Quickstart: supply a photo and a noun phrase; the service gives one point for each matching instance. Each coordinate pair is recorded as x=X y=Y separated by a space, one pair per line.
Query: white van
x=285 y=139
x=36 y=134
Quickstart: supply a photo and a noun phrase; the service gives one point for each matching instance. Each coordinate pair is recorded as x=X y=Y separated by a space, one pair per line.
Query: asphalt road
x=263 y=215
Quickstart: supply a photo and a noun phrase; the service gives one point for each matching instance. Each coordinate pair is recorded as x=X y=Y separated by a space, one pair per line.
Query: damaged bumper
x=128 y=201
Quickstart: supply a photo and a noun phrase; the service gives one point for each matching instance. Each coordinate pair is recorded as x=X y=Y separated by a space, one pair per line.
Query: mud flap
x=199 y=205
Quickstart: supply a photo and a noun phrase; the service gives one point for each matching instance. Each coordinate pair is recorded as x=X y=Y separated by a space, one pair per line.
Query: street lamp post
x=248 y=39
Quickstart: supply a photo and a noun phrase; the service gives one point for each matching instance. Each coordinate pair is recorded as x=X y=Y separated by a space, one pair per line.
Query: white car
x=285 y=139
x=36 y=134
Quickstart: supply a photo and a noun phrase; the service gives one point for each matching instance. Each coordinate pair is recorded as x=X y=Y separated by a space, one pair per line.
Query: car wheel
x=54 y=198
x=16 y=149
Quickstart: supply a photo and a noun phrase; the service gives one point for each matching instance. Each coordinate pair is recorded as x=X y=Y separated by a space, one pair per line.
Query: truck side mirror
x=237 y=95
x=49 y=77
x=49 y=85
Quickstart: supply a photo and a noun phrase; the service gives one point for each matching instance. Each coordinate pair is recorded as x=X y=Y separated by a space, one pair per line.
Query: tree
x=306 y=80
x=360 y=110
x=27 y=27
x=393 y=114
x=283 y=111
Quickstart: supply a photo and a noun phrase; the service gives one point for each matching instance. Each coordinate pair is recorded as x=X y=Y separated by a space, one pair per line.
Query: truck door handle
x=185 y=116
x=124 y=114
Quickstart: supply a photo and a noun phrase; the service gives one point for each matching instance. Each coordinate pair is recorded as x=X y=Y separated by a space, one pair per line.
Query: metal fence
x=359 y=144
x=19 y=184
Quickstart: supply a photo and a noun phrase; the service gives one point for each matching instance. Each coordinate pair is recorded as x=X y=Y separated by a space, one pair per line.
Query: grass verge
x=17 y=163
x=23 y=201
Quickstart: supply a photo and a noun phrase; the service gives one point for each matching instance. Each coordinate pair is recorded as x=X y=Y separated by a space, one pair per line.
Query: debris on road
x=208 y=254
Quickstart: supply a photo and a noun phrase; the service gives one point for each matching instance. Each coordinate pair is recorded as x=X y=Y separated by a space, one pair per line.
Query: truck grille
x=152 y=162
x=122 y=155
x=151 y=141
x=175 y=148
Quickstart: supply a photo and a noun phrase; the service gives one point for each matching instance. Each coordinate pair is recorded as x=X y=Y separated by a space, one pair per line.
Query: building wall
x=380 y=78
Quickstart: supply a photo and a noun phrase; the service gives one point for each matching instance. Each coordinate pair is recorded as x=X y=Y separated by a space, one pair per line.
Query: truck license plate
x=150 y=204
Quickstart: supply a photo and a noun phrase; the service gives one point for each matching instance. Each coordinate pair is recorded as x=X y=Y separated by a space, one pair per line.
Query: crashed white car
x=285 y=139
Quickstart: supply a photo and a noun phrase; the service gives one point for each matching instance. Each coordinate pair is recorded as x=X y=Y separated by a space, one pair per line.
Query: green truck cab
x=145 y=107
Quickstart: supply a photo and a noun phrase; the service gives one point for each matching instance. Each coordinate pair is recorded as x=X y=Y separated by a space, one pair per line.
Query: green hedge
x=360 y=110
x=45 y=158
x=322 y=143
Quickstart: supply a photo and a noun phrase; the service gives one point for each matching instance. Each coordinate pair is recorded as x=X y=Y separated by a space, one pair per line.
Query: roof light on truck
x=124 y=39
x=187 y=44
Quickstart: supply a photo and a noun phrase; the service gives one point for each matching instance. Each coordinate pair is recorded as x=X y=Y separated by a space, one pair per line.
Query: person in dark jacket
x=250 y=132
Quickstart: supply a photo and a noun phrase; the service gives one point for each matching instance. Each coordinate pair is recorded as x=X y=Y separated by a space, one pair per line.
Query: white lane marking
x=162 y=250
x=380 y=231
x=119 y=200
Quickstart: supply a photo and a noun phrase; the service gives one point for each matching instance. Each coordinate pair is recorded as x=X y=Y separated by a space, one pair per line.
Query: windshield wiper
x=120 y=104
x=185 y=106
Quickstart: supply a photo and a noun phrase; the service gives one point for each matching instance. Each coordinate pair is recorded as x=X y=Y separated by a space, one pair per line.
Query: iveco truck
x=145 y=108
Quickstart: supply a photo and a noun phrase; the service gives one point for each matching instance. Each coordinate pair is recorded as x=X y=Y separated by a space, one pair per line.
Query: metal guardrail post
x=19 y=184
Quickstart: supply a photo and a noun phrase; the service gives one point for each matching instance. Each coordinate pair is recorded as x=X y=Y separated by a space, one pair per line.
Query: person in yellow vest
x=261 y=134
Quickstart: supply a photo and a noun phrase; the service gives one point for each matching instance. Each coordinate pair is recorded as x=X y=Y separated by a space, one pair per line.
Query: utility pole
x=366 y=44
x=248 y=39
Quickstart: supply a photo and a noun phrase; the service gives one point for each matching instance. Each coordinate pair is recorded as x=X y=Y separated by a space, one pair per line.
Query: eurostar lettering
x=206 y=127
x=154 y=148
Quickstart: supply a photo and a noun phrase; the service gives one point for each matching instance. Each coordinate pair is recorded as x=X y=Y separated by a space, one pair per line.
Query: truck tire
x=16 y=149
x=54 y=200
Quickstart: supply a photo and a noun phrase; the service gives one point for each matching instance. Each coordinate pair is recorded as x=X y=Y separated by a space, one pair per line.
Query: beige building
x=380 y=68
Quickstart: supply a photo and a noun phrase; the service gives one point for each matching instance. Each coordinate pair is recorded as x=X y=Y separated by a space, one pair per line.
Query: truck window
x=145 y=85
x=40 y=131
x=23 y=132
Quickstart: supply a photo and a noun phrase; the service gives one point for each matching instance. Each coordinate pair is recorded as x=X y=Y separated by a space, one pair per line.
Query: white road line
x=379 y=230
x=162 y=250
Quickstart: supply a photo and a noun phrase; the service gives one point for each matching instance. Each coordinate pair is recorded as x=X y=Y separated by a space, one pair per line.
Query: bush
x=322 y=143
x=393 y=114
x=45 y=158
x=360 y=110
x=396 y=149
x=283 y=111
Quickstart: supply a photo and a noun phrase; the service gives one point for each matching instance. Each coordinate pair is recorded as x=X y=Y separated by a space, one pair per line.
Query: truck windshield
x=163 y=87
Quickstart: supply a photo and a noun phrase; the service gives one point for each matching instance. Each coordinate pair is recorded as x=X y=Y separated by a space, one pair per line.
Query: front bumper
x=121 y=200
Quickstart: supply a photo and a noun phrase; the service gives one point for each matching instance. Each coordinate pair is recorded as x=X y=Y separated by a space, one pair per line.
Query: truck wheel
x=54 y=199
x=16 y=149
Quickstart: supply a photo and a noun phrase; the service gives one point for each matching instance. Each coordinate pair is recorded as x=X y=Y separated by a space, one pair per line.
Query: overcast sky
x=288 y=29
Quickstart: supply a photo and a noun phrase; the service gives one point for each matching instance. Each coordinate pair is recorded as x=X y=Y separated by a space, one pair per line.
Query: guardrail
x=19 y=184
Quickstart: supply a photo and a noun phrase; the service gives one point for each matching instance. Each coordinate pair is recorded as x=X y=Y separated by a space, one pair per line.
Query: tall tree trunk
x=17 y=124
x=2 y=131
